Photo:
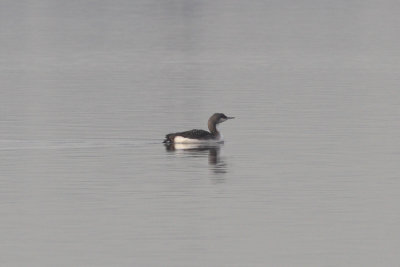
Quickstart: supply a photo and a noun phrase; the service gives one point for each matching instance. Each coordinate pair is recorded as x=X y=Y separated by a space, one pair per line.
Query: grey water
x=309 y=172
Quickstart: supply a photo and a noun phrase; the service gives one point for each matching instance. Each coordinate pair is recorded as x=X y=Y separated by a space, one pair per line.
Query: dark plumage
x=197 y=134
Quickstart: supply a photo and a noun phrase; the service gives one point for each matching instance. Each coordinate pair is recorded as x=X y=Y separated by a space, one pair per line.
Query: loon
x=196 y=136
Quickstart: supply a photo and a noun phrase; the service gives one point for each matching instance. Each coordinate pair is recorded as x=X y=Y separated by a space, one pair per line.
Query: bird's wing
x=195 y=134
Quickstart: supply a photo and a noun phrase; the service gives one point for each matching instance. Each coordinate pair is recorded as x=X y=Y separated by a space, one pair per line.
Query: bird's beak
x=229 y=118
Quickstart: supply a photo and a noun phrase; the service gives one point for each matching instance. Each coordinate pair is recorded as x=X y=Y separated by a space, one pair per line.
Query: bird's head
x=219 y=117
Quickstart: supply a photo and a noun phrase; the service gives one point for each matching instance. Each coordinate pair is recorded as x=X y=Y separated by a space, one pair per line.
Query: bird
x=197 y=136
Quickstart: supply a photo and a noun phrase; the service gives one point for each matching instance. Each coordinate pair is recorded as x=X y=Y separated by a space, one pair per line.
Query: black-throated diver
x=200 y=136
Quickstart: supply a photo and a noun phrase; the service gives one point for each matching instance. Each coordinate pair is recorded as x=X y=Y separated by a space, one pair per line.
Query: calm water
x=308 y=176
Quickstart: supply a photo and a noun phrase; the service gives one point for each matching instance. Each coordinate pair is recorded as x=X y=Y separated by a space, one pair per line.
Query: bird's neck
x=213 y=128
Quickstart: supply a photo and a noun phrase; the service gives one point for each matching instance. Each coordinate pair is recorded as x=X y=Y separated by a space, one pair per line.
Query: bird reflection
x=217 y=165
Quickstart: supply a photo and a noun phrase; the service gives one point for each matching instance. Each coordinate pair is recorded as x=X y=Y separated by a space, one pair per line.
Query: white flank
x=184 y=140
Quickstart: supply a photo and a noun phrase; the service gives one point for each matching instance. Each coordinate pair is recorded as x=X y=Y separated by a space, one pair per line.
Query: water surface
x=308 y=175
